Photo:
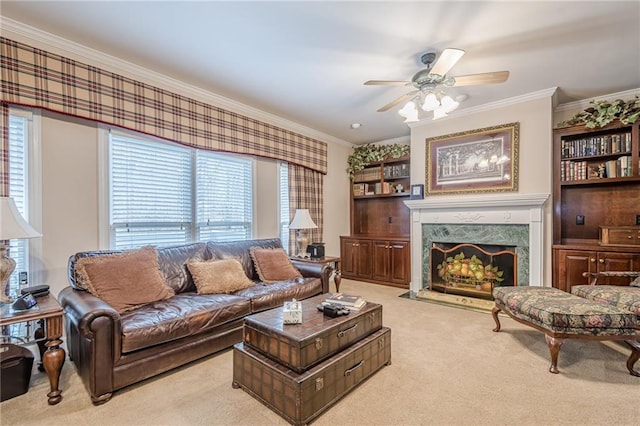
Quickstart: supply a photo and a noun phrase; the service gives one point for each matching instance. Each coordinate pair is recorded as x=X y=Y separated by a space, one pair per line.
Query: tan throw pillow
x=125 y=280
x=219 y=276
x=273 y=264
x=636 y=282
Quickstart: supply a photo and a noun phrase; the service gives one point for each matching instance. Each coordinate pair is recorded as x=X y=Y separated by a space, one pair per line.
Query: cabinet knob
x=601 y=260
x=592 y=260
x=630 y=236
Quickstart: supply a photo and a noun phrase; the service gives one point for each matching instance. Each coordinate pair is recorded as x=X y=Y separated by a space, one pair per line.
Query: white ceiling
x=307 y=61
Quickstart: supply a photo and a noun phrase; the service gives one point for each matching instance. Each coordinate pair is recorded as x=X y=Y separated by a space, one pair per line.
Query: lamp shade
x=302 y=220
x=12 y=224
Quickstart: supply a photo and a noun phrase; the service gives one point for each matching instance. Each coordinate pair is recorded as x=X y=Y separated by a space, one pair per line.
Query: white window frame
x=104 y=231
x=34 y=190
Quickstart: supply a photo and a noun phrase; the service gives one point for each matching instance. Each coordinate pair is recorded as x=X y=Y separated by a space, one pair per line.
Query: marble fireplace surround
x=449 y=218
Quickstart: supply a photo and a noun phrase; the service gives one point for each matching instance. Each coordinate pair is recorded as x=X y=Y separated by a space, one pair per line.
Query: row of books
x=372 y=173
x=597 y=145
x=581 y=170
x=348 y=301
x=376 y=188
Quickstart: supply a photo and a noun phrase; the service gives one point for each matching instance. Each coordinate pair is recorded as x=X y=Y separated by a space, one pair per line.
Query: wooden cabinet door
x=571 y=265
x=399 y=262
x=617 y=262
x=363 y=258
x=380 y=269
x=348 y=255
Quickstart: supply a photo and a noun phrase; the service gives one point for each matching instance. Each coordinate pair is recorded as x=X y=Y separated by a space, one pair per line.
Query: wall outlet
x=580 y=219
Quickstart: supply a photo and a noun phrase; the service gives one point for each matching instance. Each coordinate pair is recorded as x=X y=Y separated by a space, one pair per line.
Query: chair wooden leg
x=554 y=349
x=495 y=311
x=634 y=357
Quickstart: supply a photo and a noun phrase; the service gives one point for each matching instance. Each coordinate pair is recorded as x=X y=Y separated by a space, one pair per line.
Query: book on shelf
x=347 y=300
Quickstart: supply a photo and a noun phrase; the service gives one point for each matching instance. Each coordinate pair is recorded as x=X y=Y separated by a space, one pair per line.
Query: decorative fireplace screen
x=471 y=269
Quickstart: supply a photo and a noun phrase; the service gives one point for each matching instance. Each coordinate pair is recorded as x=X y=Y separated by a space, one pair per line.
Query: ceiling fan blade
x=404 y=97
x=485 y=78
x=385 y=83
x=447 y=59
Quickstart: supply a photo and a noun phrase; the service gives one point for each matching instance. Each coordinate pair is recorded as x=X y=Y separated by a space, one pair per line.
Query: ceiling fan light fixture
x=448 y=104
x=409 y=112
x=431 y=102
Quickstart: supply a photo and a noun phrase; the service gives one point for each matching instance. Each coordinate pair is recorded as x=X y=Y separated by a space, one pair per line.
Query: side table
x=334 y=262
x=49 y=310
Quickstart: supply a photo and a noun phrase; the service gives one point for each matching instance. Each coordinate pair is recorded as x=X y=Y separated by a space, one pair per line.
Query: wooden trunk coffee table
x=300 y=370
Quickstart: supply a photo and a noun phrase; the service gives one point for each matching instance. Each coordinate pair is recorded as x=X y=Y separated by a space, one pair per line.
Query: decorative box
x=292 y=312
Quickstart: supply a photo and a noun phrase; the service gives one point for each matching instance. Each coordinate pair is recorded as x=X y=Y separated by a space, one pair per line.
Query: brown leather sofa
x=112 y=350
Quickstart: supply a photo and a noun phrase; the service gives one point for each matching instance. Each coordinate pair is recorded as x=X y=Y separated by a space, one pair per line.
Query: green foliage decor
x=604 y=112
x=369 y=153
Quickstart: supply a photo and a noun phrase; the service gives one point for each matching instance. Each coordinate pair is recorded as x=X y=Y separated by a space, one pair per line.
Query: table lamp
x=12 y=226
x=301 y=222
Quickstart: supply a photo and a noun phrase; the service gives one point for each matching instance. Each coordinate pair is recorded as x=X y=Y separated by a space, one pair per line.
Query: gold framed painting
x=483 y=160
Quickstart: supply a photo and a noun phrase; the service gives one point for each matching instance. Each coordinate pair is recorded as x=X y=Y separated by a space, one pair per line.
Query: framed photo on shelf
x=417 y=192
x=483 y=160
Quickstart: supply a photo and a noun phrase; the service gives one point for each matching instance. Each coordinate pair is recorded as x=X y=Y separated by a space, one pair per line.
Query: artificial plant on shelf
x=604 y=112
x=364 y=155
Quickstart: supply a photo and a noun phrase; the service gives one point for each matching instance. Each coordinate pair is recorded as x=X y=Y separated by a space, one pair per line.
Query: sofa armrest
x=610 y=274
x=94 y=339
x=316 y=270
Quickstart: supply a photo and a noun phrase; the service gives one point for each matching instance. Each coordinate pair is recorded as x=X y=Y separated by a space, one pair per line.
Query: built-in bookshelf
x=596 y=186
x=390 y=178
x=596 y=156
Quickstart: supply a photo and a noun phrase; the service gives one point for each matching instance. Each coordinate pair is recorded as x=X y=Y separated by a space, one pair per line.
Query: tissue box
x=292 y=312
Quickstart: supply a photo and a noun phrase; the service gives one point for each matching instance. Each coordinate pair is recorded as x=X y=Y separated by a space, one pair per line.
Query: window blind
x=18 y=143
x=165 y=194
x=224 y=187
x=150 y=197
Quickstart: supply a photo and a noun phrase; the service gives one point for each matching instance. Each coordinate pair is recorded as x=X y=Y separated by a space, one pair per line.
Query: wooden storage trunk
x=300 y=346
x=300 y=398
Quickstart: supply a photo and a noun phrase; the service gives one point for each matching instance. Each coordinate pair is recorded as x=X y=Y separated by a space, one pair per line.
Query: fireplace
x=472 y=269
x=510 y=220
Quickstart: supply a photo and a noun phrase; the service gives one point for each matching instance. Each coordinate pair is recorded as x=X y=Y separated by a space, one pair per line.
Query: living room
x=70 y=214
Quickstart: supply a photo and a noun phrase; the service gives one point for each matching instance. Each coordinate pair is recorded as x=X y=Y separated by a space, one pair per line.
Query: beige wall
x=535 y=173
x=70 y=195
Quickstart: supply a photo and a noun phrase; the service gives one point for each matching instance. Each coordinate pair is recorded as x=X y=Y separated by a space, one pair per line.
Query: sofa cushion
x=219 y=276
x=273 y=265
x=240 y=250
x=185 y=314
x=270 y=295
x=627 y=298
x=636 y=282
x=173 y=264
x=126 y=280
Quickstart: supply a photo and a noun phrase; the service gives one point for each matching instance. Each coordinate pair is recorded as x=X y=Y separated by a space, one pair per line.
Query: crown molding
x=11 y=28
x=540 y=94
x=585 y=103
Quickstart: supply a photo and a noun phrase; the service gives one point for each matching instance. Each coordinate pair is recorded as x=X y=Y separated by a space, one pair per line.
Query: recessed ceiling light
x=356 y=125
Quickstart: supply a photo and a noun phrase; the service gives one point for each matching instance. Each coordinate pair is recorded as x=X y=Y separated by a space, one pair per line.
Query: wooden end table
x=49 y=310
x=333 y=261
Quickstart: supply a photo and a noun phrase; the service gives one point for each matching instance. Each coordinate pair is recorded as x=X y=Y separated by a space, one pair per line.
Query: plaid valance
x=37 y=78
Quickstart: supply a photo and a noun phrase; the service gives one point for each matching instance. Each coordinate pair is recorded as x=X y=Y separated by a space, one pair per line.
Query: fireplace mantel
x=479 y=209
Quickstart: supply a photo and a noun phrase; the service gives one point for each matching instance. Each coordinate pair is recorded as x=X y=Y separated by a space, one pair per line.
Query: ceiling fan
x=430 y=79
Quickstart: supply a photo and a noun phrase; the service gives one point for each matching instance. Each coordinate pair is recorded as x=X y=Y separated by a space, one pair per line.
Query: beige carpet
x=448 y=368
